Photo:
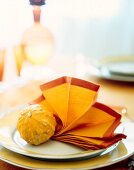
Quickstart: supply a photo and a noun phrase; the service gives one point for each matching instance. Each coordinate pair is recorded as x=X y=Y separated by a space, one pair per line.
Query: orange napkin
x=81 y=120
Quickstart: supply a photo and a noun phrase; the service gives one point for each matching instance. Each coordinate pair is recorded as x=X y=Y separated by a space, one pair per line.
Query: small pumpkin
x=36 y=124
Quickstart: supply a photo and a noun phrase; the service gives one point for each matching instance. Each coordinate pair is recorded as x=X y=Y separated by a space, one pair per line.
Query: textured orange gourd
x=36 y=124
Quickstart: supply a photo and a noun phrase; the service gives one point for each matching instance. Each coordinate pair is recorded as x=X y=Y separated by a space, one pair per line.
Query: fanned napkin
x=81 y=120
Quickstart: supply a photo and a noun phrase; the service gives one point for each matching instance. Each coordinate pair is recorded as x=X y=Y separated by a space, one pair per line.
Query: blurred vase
x=38 y=41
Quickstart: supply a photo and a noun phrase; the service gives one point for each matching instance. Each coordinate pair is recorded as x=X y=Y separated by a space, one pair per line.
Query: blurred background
x=82 y=29
x=92 y=27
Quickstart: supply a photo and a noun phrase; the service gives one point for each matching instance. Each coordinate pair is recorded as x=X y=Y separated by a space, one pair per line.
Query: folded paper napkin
x=81 y=120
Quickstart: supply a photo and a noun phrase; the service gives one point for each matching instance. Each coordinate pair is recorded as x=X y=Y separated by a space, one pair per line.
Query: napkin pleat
x=42 y=101
x=81 y=97
x=98 y=114
x=56 y=94
x=92 y=131
x=90 y=142
x=79 y=143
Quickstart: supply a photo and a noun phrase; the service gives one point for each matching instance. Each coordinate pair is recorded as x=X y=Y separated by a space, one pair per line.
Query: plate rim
x=103 y=72
x=99 y=68
x=83 y=168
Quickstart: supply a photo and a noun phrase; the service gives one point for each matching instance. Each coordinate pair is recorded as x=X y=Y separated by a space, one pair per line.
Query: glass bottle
x=38 y=47
x=38 y=41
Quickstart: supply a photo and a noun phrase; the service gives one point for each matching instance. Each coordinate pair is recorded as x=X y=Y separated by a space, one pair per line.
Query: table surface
x=111 y=93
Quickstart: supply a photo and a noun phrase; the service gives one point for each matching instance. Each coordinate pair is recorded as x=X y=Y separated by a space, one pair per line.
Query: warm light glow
x=38 y=54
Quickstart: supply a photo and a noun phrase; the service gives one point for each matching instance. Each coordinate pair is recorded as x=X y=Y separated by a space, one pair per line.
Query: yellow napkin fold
x=81 y=120
x=70 y=97
x=56 y=94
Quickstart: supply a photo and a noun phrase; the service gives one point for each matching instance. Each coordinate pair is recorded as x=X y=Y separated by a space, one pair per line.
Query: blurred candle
x=19 y=57
x=2 y=59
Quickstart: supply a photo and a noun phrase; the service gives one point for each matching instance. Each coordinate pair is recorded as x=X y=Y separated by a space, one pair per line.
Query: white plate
x=114 y=69
x=124 y=150
x=52 y=150
x=121 y=68
x=106 y=73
